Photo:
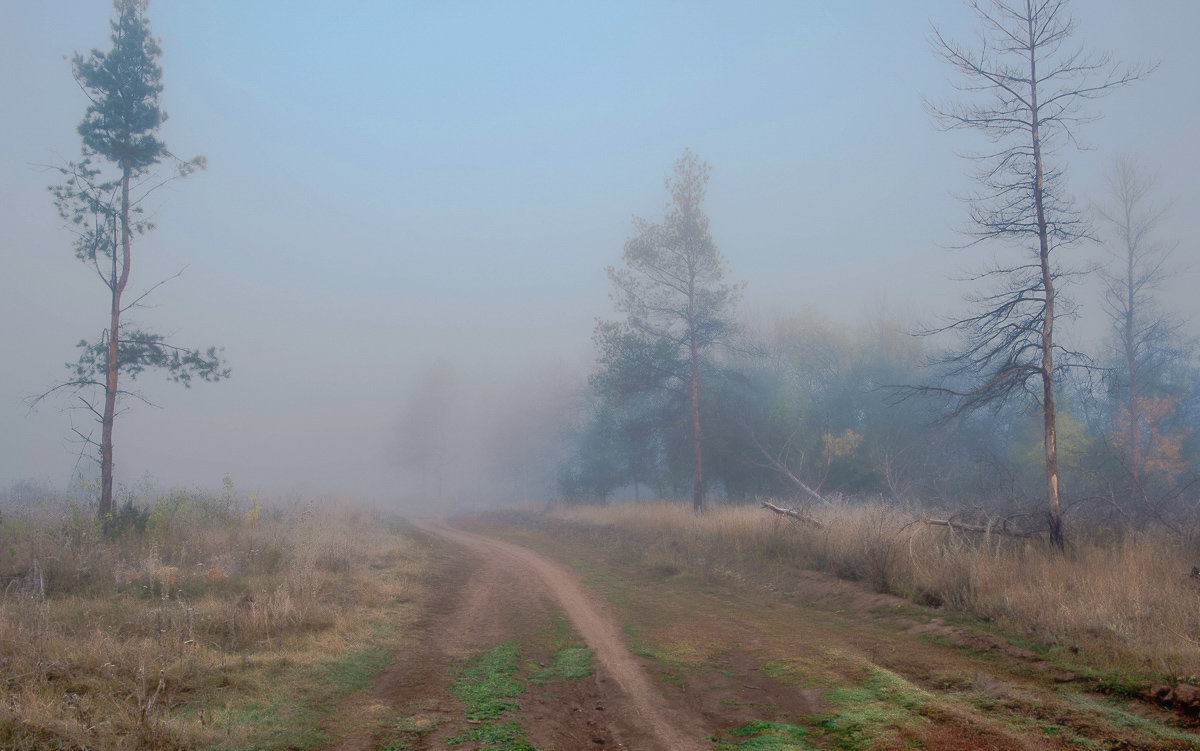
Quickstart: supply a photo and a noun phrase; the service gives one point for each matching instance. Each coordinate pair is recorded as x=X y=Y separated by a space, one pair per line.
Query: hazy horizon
x=394 y=186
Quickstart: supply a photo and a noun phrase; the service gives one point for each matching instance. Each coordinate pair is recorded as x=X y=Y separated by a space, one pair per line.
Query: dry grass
x=1122 y=601
x=153 y=635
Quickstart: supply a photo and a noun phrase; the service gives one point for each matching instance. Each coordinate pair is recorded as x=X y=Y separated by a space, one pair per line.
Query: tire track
x=599 y=630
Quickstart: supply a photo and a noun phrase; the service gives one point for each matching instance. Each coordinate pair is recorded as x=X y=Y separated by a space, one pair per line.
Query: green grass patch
x=496 y=736
x=761 y=735
x=352 y=672
x=571 y=663
x=1118 y=716
x=301 y=699
x=279 y=723
x=878 y=712
x=489 y=687
x=781 y=670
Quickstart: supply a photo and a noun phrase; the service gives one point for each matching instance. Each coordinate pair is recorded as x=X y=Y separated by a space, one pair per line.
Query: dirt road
x=487 y=592
x=633 y=690
x=820 y=664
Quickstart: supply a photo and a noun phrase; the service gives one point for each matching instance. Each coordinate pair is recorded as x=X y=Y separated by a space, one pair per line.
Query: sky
x=396 y=184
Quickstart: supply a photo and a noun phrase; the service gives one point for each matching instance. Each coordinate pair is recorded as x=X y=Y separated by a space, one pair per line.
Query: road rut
x=597 y=627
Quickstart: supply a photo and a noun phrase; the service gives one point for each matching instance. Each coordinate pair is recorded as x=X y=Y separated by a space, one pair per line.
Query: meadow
x=196 y=621
x=1121 y=599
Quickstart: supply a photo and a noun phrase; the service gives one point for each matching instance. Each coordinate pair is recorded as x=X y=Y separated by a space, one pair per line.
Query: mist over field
x=401 y=237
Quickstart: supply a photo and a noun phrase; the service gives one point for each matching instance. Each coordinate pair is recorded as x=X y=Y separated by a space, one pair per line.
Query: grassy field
x=1122 y=601
x=197 y=623
x=205 y=622
x=738 y=626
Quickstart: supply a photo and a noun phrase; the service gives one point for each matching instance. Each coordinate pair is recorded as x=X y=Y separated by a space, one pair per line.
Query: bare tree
x=1025 y=91
x=1146 y=337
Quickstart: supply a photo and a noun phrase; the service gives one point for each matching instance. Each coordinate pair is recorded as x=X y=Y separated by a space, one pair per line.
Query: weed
x=1118 y=683
x=780 y=670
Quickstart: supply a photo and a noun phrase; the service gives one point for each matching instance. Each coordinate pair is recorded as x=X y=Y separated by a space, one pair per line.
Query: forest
x=801 y=406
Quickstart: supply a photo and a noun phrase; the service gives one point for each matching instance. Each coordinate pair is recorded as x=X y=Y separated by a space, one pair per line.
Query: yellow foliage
x=1160 y=448
x=841 y=445
x=254 y=512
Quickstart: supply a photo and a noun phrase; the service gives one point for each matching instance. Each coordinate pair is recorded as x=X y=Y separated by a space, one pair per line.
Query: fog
x=408 y=209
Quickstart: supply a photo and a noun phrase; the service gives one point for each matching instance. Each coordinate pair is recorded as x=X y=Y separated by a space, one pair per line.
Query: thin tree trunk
x=113 y=365
x=698 y=477
x=1053 y=501
x=1135 y=454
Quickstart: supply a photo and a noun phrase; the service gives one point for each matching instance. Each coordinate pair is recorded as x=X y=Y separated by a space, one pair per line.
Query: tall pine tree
x=102 y=198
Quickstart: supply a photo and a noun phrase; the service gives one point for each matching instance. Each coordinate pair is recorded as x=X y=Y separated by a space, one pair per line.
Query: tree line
x=687 y=401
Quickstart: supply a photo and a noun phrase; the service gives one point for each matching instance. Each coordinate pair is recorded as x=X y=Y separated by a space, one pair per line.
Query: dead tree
x=1147 y=338
x=1025 y=90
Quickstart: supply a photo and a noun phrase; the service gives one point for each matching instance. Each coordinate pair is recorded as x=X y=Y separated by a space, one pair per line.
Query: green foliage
x=600 y=462
x=126 y=519
x=123 y=86
x=138 y=350
x=277 y=722
x=677 y=309
x=102 y=200
x=817 y=396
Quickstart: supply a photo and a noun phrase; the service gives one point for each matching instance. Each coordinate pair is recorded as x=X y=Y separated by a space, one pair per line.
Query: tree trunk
x=1054 y=505
x=1135 y=454
x=698 y=476
x=113 y=366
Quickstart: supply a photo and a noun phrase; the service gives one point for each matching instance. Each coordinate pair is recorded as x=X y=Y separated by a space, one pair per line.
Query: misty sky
x=396 y=184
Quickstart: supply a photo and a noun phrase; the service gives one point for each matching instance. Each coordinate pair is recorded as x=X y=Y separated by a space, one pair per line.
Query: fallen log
x=792 y=513
x=1001 y=529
